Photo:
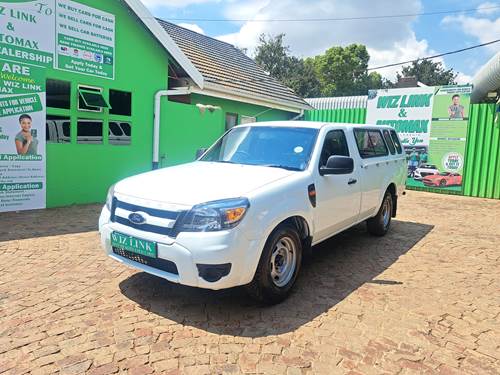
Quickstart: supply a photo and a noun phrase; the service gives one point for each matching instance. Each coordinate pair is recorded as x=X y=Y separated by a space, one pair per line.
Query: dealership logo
x=98 y=57
x=136 y=218
x=453 y=161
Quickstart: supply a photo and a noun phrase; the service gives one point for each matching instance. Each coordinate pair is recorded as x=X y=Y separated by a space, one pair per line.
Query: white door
x=375 y=164
x=337 y=196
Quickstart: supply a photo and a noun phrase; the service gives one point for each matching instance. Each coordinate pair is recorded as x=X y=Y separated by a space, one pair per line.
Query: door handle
x=352 y=181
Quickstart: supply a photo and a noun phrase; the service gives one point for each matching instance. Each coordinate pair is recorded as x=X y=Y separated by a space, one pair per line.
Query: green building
x=124 y=93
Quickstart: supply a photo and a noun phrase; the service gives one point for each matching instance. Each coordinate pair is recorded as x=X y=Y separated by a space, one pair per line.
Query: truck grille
x=158 y=221
x=161 y=264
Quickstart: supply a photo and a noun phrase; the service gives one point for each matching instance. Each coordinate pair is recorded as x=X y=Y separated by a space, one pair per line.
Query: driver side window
x=335 y=144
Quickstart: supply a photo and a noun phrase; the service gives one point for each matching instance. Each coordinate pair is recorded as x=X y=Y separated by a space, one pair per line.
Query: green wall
x=81 y=173
x=184 y=130
x=243 y=109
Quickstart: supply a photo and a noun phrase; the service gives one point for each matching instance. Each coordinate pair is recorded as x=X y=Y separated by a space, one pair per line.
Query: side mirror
x=337 y=165
x=200 y=152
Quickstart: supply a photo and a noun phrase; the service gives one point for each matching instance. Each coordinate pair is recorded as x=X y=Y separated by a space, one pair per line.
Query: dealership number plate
x=134 y=245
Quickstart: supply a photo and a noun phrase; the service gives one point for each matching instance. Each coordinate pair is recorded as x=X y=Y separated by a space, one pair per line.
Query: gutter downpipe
x=157 y=112
x=301 y=114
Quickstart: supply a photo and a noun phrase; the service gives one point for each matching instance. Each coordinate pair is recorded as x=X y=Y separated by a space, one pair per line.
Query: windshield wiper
x=287 y=167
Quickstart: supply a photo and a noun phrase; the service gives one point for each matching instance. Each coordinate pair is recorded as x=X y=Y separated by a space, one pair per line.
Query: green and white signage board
x=26 y=31
x=62 y=34
x=22 y=136
x=85 y=39
x=432 y=125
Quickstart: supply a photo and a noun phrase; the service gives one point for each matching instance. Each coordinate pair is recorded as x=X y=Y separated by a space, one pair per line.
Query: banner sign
x=85 y=36
x=85 y=39
x=27 y=29
x=22 y=137
x=432 y=124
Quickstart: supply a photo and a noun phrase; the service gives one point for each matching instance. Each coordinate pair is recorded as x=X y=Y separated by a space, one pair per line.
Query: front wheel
x=380 y=223
x=278 y=267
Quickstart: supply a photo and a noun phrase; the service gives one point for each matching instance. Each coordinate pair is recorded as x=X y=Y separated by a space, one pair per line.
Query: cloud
x=488 y=8
x=462 y=79
x=173 y=3
x=193 y=27
x=388 y=40
x=405 y=50
x=483 y=29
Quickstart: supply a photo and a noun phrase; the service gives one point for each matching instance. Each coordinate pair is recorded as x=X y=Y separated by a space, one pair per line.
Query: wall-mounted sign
x=85 y=39
x=432 y=124
x=22 y=136
x=27 y=32
x=62 y=34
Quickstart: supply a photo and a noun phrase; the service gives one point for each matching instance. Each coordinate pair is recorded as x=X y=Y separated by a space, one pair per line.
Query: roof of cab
x=313 y=124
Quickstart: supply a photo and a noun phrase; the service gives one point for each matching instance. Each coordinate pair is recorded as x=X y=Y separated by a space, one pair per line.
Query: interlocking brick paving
x=425 y=299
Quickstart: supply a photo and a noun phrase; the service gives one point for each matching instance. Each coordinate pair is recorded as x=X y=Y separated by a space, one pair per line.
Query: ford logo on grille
x=136 y=218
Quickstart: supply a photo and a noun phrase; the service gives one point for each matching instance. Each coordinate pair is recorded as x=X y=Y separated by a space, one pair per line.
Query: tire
x=283 y=246
x=379 y=224
x=442 y=183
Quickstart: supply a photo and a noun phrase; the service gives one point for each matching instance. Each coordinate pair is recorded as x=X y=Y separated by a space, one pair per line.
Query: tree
x=429 y=73
x=274 y=57
x=342 y=71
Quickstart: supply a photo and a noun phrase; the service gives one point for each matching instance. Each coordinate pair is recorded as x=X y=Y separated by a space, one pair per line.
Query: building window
x=58 y=129
x=120 y=133
x=90 y=99
x=248 y=119
x=231 y=120
x=89 y=131
x=58 y=94
x=120 y=103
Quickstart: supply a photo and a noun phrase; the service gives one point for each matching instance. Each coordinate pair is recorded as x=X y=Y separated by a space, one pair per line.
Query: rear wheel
x=442 y=182
x=278 y=267
x=380 y=223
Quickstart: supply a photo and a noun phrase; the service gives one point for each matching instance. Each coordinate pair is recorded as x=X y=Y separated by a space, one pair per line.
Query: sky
x=388 y=40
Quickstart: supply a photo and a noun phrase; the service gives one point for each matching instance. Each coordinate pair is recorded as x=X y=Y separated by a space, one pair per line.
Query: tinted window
x=370 y=143
x=58 y=129
x=119 y=133
x=89 y=131
x=335 y=144
x=120 y=102
x=58 y=94
x=395 y=138
x=90 y=93
x=389 y=142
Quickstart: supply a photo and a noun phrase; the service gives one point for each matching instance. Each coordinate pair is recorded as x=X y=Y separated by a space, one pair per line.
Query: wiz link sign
x=85 y=36
x=408 y=111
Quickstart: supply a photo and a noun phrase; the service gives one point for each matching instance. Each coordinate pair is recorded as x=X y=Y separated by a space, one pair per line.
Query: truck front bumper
x=211 y=260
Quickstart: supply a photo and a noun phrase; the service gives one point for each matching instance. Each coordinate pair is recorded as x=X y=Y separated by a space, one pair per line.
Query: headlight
x=214 y=216
x=109 y=197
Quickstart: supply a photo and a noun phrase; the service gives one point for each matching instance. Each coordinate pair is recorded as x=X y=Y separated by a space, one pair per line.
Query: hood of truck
x=199 y=182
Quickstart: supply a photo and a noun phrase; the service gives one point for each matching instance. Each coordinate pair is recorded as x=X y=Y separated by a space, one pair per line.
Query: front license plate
x=134 y=245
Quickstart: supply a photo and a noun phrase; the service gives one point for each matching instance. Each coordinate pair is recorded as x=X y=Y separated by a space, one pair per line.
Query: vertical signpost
x=432 y=125
x=22 y=137
x=26 y=52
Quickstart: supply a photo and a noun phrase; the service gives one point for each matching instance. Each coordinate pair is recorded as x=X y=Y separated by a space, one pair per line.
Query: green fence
x=345 y=115
x=482 y=165
x=482 y=160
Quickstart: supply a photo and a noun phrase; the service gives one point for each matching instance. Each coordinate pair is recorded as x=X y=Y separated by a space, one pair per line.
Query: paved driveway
x=423 y=299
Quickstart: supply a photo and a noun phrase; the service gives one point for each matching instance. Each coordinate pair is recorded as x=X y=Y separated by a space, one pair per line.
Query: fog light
x=213 y=272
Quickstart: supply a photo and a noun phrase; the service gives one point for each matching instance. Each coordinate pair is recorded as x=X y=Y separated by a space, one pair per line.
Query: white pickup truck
x=249 y=209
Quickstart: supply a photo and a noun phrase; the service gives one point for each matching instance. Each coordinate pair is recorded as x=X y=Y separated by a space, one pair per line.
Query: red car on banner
x=443 y=179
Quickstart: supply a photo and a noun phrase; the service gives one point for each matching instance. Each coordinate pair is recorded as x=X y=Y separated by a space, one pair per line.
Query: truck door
x=338 y=197
x=375 y=166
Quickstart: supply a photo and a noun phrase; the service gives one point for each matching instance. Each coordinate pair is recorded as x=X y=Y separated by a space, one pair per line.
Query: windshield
x=271 y=146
